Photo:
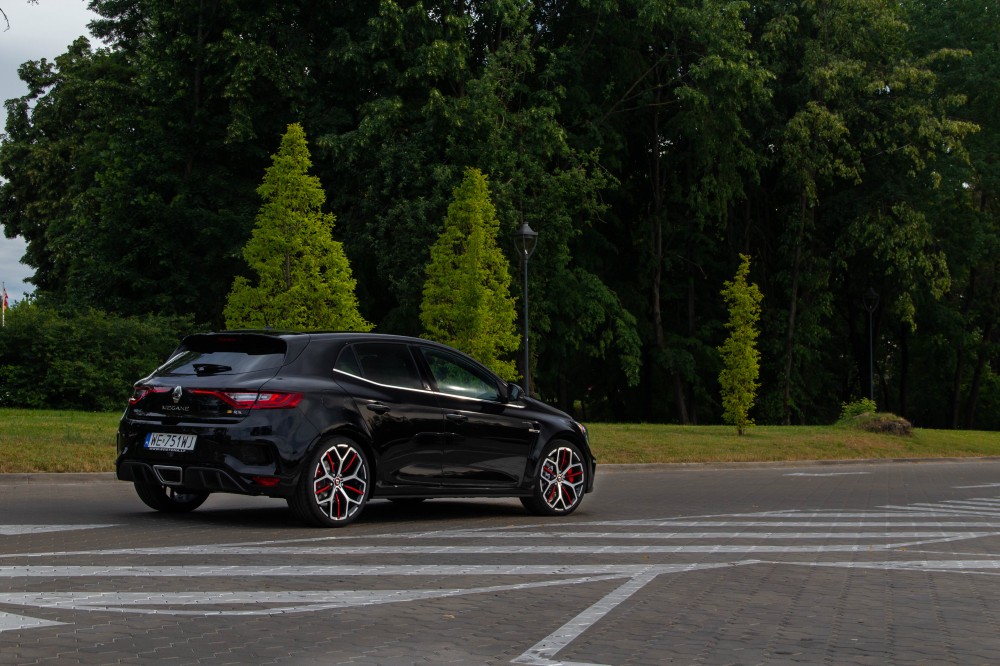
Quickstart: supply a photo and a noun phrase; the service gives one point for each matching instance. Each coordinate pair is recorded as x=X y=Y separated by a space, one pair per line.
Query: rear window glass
x=388 y=363
x=348 y=362
x=224 y=355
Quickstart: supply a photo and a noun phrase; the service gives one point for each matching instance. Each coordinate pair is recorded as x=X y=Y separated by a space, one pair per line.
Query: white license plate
x=163 y=441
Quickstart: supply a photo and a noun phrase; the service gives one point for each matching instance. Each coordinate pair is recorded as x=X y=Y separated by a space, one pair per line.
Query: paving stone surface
x=881 y=563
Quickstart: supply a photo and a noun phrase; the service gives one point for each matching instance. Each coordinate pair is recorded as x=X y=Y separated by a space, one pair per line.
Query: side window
x=387 y=363
x=457 y=377
x=348 y=362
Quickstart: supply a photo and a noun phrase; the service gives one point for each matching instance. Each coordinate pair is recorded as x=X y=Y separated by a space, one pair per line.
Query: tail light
x=254 y=400
x=140 y=392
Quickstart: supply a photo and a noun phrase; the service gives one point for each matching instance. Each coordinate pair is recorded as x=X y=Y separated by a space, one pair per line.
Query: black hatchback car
x=329 y=420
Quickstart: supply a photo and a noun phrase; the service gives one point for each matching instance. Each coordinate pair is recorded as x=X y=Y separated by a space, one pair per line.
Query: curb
x=63 y=478
x=790 y=463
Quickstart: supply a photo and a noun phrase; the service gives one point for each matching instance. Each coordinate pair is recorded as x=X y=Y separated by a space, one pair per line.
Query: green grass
x=646 y=443
x=57 y=441
x=62 y=441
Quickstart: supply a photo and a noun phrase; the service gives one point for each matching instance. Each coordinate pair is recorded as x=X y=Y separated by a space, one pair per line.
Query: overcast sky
x=36 y=31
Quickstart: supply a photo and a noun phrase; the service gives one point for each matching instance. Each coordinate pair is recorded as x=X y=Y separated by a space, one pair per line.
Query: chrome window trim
x=434 y=393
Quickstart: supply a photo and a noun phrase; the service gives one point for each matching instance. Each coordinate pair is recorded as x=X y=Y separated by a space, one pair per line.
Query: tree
x=303 y=277
x=740 y=358
x=467 y=302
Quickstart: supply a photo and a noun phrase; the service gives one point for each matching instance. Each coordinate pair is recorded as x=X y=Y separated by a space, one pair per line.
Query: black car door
x=402 y=413
x=489 y=439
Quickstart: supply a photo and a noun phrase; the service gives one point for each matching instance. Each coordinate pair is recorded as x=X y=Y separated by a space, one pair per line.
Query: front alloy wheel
x=560 y=483
x=334 y=487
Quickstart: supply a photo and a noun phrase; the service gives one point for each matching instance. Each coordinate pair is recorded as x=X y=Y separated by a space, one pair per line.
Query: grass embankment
x=57 y=441
x=61 y=441
x=646 y=443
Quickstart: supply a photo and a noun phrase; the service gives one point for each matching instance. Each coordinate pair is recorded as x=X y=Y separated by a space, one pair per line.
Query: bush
x=85 y=360
x=888 y=424
x=850 y=410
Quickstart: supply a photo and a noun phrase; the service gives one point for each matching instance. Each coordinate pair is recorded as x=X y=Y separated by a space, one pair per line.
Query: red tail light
x=254 y=400
x=140 y=392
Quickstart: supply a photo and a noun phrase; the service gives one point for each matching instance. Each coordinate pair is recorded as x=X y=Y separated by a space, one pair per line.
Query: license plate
x=163 y=441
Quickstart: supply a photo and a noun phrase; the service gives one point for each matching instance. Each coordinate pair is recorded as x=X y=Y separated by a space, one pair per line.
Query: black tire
x=168 y=498
x=334 y=486
x=559 y=483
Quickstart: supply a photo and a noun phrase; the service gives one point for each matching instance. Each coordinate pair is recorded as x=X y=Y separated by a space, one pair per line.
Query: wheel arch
x=565 y=435
x=348 y=431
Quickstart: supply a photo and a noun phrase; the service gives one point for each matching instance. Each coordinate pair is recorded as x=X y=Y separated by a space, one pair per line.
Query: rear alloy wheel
x=168 y=498
x=560 y=483
x=334 y=486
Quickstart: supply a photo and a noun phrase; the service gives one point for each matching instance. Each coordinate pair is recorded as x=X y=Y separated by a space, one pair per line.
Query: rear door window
x=210 y=355
x=385 y=363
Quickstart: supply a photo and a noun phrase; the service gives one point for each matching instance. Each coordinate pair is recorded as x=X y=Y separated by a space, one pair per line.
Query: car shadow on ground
x=276 y=515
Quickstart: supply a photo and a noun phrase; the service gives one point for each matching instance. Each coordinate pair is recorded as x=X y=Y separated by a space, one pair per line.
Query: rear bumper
x=193 y=477
x=259 y=456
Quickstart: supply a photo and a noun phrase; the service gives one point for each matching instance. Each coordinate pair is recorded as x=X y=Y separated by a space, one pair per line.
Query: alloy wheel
x=561 y=479
x=340 y=482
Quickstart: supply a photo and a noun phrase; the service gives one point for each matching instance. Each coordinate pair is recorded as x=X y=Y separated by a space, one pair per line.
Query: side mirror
x=514 y=392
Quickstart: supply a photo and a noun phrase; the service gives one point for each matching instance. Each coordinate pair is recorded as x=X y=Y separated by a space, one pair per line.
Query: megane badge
x=176 y=394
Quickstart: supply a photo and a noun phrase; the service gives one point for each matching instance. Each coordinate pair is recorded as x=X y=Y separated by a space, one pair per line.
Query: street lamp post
x=870 y=301
x=524 y=241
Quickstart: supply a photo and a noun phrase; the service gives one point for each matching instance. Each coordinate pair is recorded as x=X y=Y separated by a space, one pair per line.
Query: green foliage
x=304 y=280
x=85 y=360
x=844 y=145
x=467 y=302
x=740 y=358
x=849 y=410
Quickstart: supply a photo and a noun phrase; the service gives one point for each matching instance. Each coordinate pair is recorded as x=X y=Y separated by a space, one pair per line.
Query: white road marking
x=892 y=528
x=339 y=570
x=827 y=474
x=274 y=602
x=11 y=622
x=17 y=530
x=543 y=652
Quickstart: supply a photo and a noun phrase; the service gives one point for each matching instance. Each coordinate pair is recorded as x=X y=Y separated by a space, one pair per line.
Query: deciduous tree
x=740 y=357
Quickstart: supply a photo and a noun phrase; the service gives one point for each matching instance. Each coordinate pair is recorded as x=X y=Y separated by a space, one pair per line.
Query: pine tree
x=740 y=357
x=466 y=299
x=304 y=280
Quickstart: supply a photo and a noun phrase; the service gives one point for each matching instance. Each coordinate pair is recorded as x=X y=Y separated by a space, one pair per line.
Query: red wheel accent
x=561 y=480
x=340 y=483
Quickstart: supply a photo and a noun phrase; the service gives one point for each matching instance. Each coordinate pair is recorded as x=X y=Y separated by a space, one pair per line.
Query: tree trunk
x=956 y=383
x=904 y=369
x=792 y=309
x=656 y=177
x=982 y=359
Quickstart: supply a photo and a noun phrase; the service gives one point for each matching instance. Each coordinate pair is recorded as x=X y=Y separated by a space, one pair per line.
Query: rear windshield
x=207 y=355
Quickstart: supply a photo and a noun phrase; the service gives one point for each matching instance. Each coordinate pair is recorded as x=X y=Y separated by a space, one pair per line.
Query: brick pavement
x=874 y=563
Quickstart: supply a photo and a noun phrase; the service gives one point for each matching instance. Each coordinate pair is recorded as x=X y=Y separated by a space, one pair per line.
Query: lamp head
x=525 y=240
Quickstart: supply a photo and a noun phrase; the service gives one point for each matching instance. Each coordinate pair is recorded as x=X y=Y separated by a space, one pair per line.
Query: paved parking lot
x=865 y=563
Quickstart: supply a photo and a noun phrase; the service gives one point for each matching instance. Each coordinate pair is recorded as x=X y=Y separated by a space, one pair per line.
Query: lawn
x=64 y=441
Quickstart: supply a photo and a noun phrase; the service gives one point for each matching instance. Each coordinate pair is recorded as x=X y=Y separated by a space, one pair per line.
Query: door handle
x=457 y=418
x=377 y=407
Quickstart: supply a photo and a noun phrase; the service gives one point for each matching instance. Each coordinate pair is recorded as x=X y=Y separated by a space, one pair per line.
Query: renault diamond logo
x=176 y=394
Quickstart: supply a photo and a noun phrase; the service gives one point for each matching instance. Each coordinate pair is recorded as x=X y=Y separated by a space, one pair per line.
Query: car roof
x=324 y=335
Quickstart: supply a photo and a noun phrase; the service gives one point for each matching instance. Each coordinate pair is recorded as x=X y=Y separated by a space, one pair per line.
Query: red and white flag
x=5 y=306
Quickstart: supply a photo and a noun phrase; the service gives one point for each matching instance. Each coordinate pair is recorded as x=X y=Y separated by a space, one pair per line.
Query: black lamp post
x=870 y=300
x=524 y=241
